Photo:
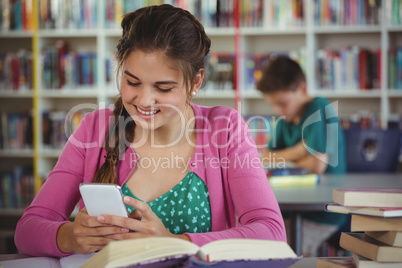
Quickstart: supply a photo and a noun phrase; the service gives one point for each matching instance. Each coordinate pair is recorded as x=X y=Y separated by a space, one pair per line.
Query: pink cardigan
x=225 y=159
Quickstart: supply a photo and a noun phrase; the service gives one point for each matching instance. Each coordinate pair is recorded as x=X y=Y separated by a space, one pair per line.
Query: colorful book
x=368 y=211
x=294 y=180
x=391 y=238
x=370 y=248
x=367 y=197
x=361 y=223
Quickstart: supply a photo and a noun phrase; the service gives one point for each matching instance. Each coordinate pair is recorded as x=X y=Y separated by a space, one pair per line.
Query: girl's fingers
x=143 y=207
x=124 y=223
x=104 y=231
x=131 y=235
x=136 y=214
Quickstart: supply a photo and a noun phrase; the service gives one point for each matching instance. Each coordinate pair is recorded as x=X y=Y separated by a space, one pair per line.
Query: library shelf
x=215 y=94
x=353 y=93
x=256 y=31
x=16 y=153
x=69 y=93
x=394 y=28
x=60 y=33
x=15 y=34
x=10 y=93
x=347 y=29
x=395 y=93
x=11 y=212
x=51 y=153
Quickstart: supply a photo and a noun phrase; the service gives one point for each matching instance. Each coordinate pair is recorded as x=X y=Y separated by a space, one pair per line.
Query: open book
x=168 y=252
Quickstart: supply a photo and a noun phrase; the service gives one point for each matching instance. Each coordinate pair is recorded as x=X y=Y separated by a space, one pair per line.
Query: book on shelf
x=367 y=197
x=16 y=188
x=255 y=63
x=362 y=262
x=65 y=69
x=220 y=71
x=351 y=68
x=391 y=238
x=56 y=127
x=370 y=248
x=212 y=13
x=16 y=15
x=347 y=12
x=261 y=128
x=393 y=8
x=16 y=71
x=395 y=68
x=361 y=223
x=68 y=14
x=368 y=211
x=16 y=131
x=283 y=14
x=173 y=251
x=335 y=262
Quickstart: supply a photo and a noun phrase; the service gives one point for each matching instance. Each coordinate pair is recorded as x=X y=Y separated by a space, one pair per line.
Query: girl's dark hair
x=281 y=74
x=175 y=32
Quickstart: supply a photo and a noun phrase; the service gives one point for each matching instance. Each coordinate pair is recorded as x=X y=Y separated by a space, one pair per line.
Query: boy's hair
x=281 y=74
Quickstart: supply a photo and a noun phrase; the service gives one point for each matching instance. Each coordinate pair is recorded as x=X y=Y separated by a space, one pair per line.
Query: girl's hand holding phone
x=86 y=234
x=143 y=222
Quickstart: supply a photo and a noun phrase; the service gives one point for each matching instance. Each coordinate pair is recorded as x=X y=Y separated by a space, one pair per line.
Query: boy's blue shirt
x=321 y=131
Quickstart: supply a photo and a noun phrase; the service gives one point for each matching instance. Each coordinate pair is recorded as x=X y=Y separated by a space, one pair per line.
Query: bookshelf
x=301 y=36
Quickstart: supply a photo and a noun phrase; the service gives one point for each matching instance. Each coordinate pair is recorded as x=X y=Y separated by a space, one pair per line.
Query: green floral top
x=183 y=209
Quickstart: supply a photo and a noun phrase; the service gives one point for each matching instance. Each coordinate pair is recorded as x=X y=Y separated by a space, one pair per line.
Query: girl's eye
x=165 y=90
x=132 y=84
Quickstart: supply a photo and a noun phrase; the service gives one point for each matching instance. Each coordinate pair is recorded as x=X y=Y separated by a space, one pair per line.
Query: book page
x=245 y=249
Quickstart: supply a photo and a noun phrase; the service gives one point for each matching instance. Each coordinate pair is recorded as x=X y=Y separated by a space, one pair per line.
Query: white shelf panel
x=69 y=93
x=253 y=31
x=251 y=94
x=353 y=93
x=69 y=33
x=394 y=28
x=11 y=211
x=223 y=31
x=10 y=93
x=395 y=93
x=24 y=153
x=215 y=94
x=113 y=32
x=255 y=94
x=347 y=29
x=50 y=153
x=16 y=34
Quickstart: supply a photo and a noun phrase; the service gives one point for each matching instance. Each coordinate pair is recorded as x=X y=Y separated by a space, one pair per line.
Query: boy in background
x=307 y=133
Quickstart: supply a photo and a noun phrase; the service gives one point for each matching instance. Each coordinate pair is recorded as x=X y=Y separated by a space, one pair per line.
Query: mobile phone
x=103 y=199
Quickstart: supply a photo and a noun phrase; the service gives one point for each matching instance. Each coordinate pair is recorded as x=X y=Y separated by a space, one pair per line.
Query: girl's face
x=152 y=91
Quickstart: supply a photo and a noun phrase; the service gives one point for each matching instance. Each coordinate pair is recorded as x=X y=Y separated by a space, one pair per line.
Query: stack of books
x=375 y=237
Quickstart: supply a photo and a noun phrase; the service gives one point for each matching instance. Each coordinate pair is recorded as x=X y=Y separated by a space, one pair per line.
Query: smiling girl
x=207 y=187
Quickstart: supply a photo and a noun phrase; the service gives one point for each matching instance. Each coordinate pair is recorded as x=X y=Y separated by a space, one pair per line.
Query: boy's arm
x=294 y=154
x=316 y=163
